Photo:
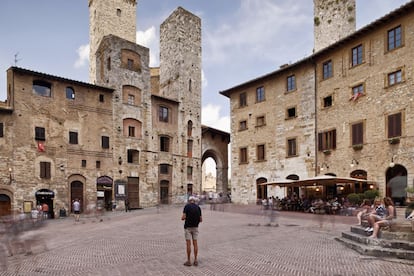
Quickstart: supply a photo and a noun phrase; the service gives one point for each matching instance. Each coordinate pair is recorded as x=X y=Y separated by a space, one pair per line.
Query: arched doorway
x=292 y=191
x=5 y=205
x=46 y=196
x=76 y=192
x=396 y=182
x=360 y=188
x=215 y=145
x=261 y=189
x=104 y=191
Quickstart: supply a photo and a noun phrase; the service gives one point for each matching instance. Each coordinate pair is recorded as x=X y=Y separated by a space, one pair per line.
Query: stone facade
x=108 y=17
x=135 y=132
x=333 y=20
x=354 y=108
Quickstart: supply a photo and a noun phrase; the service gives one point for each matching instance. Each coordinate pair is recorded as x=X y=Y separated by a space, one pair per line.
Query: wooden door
x=133 y=192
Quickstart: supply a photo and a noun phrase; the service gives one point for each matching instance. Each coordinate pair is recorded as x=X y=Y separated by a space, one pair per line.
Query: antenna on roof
x=16 y=60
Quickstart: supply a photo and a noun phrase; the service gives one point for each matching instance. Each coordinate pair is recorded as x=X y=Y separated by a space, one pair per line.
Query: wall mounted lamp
x=324 y=165
x=353 y=163
x=392 y=164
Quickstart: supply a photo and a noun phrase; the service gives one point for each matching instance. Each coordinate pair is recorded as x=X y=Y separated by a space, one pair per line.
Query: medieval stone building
x=133 y=131
x=343 y=111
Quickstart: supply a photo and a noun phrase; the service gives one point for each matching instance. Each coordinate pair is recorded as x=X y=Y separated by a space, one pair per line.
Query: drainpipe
x=316 y=115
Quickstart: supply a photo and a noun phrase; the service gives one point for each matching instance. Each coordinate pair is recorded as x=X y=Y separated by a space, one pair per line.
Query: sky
x=241 y=39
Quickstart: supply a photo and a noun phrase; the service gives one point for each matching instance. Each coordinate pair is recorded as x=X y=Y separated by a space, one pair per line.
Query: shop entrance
x=5 y=205
x=76 y=192
x=46 y=196
x=104 y=188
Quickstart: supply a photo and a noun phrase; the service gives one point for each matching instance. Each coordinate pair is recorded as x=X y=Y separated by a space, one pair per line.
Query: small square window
x=291 y=112
x=83 y=163
x=260 y=121
x=394 y=77
x=243 y=125
x=101 y=98
x=98 y=164
x=327 y=101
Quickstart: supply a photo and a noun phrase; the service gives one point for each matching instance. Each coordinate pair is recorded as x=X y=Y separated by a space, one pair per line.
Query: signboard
x=120 y=189
x=100 y=194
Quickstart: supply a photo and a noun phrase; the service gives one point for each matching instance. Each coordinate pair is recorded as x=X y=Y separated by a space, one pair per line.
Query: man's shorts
x=191 y=233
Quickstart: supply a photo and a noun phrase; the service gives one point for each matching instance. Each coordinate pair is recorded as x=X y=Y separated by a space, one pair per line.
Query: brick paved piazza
x=151 y=242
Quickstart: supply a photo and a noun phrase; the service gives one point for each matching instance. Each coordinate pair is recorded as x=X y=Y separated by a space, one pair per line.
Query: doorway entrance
x=396 y=178
x=76 y=192
x=164 y=191
x=5 y=205
x=46 y=196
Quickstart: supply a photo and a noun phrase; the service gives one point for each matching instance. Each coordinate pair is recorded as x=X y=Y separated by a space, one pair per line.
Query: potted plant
x=410 y=194
x=394 y=140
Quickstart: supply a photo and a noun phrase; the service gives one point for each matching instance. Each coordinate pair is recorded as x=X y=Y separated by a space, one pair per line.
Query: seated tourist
x=386 y=220
x=364 y=211
x=377 y=213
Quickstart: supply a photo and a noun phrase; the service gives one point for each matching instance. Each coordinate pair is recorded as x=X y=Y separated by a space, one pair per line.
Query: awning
x=322 y=180
x=285 y=182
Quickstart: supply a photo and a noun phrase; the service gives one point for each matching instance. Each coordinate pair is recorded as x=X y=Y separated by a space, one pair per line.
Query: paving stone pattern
x=151 y=242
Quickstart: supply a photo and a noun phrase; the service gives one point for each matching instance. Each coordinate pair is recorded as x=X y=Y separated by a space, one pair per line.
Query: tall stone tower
x=180 y=80
x=116 y=17
x=333 y=20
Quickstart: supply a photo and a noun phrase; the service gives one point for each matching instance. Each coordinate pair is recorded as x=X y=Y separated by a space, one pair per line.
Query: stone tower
x=116 y=17
x=333 y=20
x=180 y=80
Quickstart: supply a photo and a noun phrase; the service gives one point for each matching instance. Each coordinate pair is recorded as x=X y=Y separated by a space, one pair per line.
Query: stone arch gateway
x=215 y=145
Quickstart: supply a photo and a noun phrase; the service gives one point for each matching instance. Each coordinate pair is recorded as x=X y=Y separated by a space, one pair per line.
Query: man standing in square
x=192 y=217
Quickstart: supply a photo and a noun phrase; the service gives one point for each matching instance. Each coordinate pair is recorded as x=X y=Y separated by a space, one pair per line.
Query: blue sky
x=242 y=39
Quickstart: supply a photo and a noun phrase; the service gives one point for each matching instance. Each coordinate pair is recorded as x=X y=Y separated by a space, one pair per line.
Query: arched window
x=189 y=128
x=70 y=93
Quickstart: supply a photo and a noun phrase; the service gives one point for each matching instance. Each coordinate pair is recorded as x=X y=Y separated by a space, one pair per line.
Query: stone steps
x=393 y=242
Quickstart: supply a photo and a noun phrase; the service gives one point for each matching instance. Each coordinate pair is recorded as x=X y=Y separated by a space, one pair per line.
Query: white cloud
x=83 y=56
x=273 y=28
x=210 y=116
x=148 y=38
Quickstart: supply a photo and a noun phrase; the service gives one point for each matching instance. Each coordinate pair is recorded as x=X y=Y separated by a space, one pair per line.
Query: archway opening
x=396 y=182
x=5 y=205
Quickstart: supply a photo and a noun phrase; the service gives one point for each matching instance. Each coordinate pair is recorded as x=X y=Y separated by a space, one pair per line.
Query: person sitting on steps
x=387 y=220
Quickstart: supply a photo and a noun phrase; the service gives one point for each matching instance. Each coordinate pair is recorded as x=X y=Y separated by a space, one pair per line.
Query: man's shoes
x=369 y=229
x=195 y=263
x=187 y=263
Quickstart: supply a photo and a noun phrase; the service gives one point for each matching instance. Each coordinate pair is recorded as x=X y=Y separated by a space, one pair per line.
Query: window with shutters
x=243 y=156
x=357 y=133
x=261 y=153
x=327 y=140
x=291 y=147
x=394 y=125
x=243 y=99
x=45 y=170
